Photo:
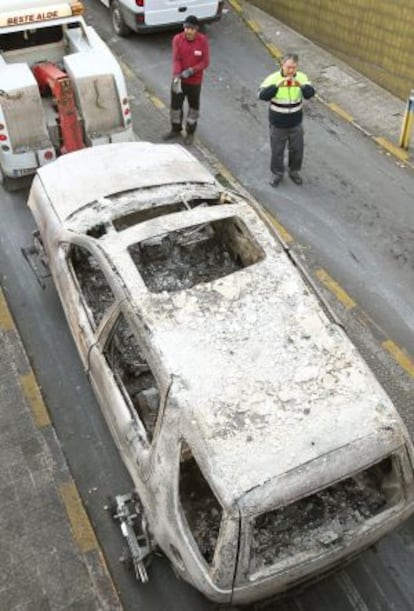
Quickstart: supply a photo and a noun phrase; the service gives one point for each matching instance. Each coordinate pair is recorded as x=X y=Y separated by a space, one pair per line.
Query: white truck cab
x=152 y=15
x=61 y=89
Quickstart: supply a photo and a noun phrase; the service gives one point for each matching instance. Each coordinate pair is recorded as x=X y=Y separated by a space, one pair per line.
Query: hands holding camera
x=289 y=82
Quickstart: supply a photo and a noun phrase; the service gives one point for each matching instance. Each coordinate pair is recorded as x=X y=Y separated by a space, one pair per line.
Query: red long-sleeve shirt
x=190 y=54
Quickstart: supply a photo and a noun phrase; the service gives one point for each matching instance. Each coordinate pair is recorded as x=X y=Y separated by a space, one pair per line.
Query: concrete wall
x=376 y=37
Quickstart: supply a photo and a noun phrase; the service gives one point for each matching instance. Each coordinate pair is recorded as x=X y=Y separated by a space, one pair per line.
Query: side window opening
x=93 y=285
x=202 y=253
x=201 y=507
x=133 y=375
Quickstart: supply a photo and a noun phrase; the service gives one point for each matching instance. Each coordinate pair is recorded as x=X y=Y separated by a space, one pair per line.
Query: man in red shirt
x=191 y=56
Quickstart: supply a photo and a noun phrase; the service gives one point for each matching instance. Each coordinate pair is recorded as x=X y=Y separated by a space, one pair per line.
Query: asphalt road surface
x=341 y=218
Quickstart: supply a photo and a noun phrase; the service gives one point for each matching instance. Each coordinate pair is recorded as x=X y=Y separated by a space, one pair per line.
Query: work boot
x=296 y=178
x=172 y=134
x=189 y=138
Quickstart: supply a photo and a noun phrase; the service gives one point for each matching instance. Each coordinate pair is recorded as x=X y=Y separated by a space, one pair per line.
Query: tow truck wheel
x=118 y=21
x=6 y=182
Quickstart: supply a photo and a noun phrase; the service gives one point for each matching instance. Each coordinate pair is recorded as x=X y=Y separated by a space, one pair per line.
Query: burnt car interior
x=94 y=288
x=133 y=374
x=324 y=518
x=202 y=510
x=202 y=253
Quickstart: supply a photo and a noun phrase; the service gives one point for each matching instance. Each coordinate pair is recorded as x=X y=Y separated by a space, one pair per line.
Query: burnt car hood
x=103 y=170
x=265 y=383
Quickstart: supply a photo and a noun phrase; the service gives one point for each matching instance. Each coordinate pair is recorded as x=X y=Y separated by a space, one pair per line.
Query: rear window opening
x=202 y=253
x=323 y=519
x=201 y=508
x=139 y=216
x=22 y=39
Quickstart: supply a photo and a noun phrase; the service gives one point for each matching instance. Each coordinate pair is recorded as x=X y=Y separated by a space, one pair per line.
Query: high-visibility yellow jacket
x=286 y=95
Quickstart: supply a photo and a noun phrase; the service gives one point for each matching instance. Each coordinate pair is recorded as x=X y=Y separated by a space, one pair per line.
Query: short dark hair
x=293 y=56
x=191 y=21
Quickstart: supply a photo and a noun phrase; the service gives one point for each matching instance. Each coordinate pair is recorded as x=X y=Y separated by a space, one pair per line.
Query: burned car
x=263 y=450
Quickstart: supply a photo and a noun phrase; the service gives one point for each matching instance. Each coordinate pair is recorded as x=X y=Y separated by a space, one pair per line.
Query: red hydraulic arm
x=51 y=77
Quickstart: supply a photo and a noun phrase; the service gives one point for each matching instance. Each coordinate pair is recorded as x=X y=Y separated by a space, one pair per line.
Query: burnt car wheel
x=118 y=21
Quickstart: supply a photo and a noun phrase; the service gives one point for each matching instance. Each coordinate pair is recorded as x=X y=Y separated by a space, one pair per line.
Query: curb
x=82 y=532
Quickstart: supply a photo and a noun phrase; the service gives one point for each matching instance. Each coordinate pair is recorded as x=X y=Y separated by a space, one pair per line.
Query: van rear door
x=163 y=12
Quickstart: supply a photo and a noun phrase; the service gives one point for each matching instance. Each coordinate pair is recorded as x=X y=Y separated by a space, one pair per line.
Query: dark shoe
x=296 y=177
x=171 y=135
x=189 y=139
x=276 y=180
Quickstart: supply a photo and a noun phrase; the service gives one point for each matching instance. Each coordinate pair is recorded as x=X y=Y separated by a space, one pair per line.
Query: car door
x=84 y=290
x=127 y=388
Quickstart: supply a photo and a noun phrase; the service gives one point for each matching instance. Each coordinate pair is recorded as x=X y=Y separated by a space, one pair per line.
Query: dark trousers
x=279 y=137
x=192 y=94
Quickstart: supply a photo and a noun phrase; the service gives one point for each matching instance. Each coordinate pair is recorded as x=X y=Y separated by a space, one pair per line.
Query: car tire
x=118 y=21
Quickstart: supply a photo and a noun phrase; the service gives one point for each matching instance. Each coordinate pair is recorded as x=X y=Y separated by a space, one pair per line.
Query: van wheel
x=118 y=21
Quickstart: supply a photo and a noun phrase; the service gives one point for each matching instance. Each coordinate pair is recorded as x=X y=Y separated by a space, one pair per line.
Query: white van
x=151 y=15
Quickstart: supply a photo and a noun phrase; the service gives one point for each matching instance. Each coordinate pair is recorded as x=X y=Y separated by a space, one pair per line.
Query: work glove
x=308 y=91
x=187 y=73
x=176 y=85
x=267 y=93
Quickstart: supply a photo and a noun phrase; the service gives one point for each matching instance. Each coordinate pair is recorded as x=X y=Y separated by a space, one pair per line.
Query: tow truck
x=61 y=89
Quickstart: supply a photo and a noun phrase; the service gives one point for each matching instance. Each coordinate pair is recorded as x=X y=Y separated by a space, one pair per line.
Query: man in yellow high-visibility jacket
x=285 y=90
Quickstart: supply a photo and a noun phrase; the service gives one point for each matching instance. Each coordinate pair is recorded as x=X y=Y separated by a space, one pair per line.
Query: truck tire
x=118 y=21
x=9 y=184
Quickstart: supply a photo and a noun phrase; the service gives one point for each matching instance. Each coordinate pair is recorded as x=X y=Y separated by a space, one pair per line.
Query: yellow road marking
x=334 y=287
x=82 y=530
x=225 y=173
x=274 y=50
x=34 y=398
x=236 y=6
x=253 y=25
x=391 y=148
x=128 y=71
x=157 y=102
x=340 y=111
x=284 y=234
x=6 y=320
x=399 y=355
